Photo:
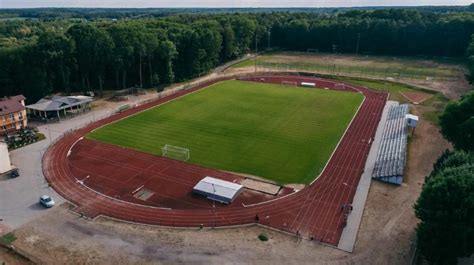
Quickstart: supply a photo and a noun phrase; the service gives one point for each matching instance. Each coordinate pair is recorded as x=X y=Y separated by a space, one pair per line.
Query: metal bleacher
x=391 y=157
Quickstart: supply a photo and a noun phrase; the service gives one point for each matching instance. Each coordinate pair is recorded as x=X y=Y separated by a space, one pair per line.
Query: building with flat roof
x=217 y=189
x=12 y=114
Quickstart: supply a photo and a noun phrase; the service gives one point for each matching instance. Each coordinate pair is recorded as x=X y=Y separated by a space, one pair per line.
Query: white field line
x=70 y=148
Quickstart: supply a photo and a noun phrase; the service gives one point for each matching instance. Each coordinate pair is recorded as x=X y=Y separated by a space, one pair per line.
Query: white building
x=217 y=190
x=4 y=158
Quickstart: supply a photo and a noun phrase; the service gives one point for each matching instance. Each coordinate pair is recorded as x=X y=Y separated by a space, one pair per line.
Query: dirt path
x=7 y=257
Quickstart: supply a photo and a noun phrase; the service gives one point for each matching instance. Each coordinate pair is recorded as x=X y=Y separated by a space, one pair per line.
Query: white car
x=46 y=201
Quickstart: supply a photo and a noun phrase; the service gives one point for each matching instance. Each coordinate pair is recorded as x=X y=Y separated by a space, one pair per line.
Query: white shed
x=217 y=189
x=412 y=120
x=4 y=158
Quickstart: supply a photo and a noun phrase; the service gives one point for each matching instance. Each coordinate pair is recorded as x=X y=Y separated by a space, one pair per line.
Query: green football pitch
x=281 y=133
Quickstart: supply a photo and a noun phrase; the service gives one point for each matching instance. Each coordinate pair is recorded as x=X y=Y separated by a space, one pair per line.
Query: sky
x=222 y=3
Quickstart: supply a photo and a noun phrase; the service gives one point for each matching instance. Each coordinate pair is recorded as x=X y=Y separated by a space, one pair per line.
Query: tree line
x=446 y=203
x=43 y=56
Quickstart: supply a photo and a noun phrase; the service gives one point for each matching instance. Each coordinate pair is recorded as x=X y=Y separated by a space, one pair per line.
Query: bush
x=446 y=210
x=263 y=237
x=7 y=239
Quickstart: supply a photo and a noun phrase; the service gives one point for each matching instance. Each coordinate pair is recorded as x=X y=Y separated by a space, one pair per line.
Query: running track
x=314 y=212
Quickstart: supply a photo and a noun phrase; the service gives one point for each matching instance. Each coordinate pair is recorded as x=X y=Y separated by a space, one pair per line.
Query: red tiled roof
x=11 y=104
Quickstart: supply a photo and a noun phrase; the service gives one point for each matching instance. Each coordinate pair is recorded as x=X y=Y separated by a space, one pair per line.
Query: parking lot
x=19 y=196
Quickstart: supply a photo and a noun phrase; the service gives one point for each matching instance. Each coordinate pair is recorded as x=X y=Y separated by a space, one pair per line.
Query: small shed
x=217 y=189
x=412 y=120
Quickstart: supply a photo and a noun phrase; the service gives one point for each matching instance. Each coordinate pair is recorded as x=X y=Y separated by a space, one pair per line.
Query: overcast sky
x=222 y=3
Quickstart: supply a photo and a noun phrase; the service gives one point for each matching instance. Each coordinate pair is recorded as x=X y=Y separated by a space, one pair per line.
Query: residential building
x=12 y=114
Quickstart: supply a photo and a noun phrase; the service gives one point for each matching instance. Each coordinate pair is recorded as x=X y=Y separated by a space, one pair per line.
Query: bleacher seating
x=391 y=156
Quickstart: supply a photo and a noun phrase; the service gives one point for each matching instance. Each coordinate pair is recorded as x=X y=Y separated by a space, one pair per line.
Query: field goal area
x=289 y=83
x=174 y=152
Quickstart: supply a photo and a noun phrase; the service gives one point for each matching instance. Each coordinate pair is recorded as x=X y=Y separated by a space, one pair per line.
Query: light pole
x=269 y=38
x=49 y=134
x=358 y=41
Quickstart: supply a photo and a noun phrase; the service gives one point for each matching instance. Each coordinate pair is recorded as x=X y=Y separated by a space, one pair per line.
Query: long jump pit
x=106 y=180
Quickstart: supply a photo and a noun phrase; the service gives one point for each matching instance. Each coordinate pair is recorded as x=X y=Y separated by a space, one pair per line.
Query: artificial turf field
x=282 y=133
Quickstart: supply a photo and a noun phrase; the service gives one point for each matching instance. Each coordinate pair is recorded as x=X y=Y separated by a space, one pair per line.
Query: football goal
x=174 y=152
x=289 y=83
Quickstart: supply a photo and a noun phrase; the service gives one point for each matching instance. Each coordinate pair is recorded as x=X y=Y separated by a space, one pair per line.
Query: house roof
x=218 y=187
x=11 y=104
x=59 y=103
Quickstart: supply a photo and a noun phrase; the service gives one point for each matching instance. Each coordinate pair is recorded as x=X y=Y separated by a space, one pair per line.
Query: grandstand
x=390 y=162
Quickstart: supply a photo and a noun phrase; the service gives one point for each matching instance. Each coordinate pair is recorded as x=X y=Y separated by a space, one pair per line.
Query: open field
x=376 y=66
x=278 y=132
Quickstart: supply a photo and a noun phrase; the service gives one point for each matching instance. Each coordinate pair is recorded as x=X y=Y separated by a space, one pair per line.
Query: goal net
x=175 y=152
x=289 y=83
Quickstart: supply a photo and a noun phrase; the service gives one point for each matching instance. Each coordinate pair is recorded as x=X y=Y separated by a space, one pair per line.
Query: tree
x=229 y=50
x=93 y=47
x=244 y=29
x=167 y=53
x=124 y=50
x=55 y=53
x=457 y=123
x=446 y=210
x=470 y=58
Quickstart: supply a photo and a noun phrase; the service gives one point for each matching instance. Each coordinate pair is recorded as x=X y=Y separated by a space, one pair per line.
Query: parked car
x=46 y=201
x=14 y=173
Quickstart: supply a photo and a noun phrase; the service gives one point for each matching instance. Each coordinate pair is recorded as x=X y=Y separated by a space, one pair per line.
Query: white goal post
x=289 y=83
x=174 y=152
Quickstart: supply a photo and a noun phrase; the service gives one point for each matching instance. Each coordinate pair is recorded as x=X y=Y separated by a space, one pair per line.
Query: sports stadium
x=278 y=150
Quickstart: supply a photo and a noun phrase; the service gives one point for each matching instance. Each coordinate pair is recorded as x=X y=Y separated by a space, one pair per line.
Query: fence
x=389 y=73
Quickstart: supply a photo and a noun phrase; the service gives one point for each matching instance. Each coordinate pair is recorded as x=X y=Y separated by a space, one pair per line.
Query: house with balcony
x=12 y=114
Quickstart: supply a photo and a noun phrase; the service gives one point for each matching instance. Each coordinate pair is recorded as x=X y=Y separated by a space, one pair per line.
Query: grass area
x=248 y=62
x=282 y=133
x=40 y=136
x=7 y=239
x=435 y=106
x=363 y=66
x=390 y=87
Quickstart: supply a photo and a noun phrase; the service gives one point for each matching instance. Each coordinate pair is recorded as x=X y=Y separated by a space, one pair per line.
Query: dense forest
x=72 y=54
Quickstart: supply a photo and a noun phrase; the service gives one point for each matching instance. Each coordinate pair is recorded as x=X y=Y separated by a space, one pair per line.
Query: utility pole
x=358 y=41
x=269 y=36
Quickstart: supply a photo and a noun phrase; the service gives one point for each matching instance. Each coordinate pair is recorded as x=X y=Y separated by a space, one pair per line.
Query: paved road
x=19 y=196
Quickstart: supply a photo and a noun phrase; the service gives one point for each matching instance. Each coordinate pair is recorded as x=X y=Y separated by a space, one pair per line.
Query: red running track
x=314 y=211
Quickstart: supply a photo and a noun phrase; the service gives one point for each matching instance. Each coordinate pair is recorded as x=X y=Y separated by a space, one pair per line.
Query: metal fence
x=388 y=73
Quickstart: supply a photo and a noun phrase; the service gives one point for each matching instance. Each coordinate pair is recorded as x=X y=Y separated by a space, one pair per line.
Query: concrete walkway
x=349 y=234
